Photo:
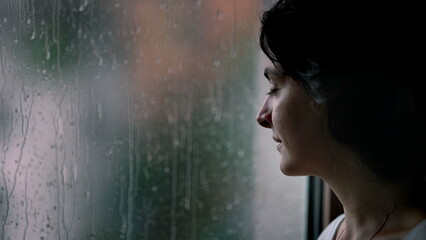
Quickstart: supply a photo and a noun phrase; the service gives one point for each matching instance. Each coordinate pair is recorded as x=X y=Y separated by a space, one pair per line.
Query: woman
x=346 y=105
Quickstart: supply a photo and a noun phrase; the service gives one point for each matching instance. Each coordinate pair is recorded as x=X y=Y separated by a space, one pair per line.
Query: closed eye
x=273 y=91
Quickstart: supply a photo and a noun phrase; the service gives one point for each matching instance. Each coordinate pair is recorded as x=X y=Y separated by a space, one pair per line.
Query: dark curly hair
x=365 y=62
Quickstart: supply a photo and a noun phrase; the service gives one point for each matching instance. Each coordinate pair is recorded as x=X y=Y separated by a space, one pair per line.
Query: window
x=136 y=120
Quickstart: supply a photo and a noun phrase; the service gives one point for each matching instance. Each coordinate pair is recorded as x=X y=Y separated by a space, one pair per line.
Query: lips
x=276 y=139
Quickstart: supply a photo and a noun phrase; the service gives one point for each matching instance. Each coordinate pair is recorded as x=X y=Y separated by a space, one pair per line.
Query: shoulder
x=418 y=233
x=329 y=232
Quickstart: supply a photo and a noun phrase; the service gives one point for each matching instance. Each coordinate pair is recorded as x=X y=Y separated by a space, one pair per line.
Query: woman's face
x=297 y=124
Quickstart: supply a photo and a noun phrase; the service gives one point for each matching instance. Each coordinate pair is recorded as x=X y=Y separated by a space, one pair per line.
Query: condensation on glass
x=136 y=120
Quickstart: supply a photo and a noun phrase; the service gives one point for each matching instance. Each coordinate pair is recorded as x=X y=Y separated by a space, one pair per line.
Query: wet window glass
x=126 y=119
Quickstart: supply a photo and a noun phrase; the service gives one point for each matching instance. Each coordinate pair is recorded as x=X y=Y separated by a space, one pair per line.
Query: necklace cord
x=384 y=222
x=381 y=227
x=378 y=231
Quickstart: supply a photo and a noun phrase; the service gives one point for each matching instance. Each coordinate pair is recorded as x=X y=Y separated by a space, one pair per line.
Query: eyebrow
x=271 y=72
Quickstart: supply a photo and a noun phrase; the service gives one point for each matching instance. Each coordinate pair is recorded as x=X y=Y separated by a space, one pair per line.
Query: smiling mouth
x=280 y=143
x=277 y=140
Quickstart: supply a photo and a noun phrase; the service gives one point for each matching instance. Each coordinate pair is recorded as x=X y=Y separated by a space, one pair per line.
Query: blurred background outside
x=135 y=119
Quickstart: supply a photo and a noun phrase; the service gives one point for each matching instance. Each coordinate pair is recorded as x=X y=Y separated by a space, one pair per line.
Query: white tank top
x=329 y=233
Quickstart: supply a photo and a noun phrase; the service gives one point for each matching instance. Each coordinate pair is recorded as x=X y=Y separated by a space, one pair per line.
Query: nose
x=264 y=117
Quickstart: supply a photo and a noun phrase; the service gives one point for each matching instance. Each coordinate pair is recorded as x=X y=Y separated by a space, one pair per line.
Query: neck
x=364 y=197
x=368 y=205
x=371 y=207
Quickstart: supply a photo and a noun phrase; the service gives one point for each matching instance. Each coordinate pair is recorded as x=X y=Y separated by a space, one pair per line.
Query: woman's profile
x=346 y=104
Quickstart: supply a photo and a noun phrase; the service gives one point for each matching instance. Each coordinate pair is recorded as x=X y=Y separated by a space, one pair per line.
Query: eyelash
x=272 y=92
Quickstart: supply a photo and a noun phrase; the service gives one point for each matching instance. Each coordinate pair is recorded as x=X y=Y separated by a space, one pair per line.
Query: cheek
x=290 y=116
x=299 y=126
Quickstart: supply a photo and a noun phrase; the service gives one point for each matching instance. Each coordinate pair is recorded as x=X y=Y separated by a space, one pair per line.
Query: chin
x=291 y=169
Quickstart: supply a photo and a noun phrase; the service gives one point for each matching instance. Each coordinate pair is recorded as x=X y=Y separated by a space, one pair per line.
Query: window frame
x=323 y=206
